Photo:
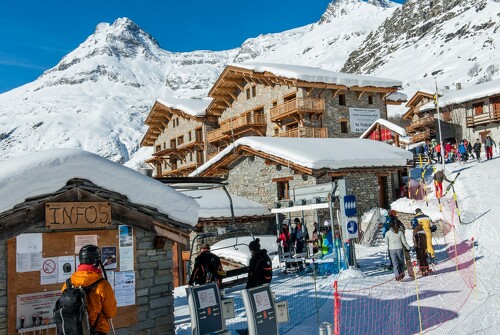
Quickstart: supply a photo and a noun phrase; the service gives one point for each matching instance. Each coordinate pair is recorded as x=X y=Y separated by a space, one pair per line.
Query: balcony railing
x=483 y=118
x=167 y=152
x=425 y=135
x=305 y=132
x=297 y=105
x=191 y=144
x=422 y=123
x=243 y=122
x=216 y=135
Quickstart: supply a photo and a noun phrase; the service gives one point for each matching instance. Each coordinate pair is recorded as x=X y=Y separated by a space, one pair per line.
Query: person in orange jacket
x=101 y=301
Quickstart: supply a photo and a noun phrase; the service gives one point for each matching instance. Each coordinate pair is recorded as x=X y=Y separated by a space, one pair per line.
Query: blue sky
x=35 y=35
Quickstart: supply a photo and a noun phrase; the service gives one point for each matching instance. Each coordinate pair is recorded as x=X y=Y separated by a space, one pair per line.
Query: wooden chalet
x=41 y=235
x=273 y=100
x=175 y=130
x=388 y=132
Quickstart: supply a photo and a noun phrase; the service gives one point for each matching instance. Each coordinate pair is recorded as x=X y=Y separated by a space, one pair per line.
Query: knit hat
x=254 y=245
x=418 y=210
x=205 y=246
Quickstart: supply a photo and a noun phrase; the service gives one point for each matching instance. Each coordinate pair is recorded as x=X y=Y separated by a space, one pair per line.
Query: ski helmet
x=90 y=254
x=414 y=223
x=392 y=212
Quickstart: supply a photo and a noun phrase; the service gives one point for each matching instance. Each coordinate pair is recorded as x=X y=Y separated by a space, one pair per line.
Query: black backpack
x=70 y=312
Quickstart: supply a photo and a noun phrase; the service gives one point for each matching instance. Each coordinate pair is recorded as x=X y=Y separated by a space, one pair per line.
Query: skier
x=207 y=268
x=420 y=243
x=284 y=238
x=425 y=222
x=437 y=149
x=488 y=146
x=439 y=176
x=477 y=149
x=260 y=269
x=462 y=149
x=396 y=242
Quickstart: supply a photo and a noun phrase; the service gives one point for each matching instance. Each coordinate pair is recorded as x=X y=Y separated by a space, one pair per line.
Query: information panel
x=260 y=310
x=205 y=309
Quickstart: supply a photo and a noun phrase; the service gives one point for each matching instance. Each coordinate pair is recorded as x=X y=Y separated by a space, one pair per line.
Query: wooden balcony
x=423 y=136
x=483 y=118
x=308 y=132
x=191 y=144
x=244 y=122
x=419 y=124
x=216 y=135
x=297 y=105
x=167 y=152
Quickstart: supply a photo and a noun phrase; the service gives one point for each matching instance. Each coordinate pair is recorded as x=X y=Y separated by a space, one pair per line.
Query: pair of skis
x=452 y=187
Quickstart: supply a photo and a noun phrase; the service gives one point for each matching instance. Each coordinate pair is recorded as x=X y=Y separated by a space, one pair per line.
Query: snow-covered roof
x=397 y=96
x=226 y=248
x=48 y=171
x=194 y=107
x=317 y=75
x=388 y=124
x=215 y=204
x=466 y=94
x=321 y=153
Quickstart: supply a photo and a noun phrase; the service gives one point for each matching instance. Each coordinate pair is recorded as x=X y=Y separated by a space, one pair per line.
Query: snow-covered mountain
x=98 y=96
x=453 y=41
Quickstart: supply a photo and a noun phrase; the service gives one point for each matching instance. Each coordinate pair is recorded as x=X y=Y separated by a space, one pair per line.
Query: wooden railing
x=216 y=135
x=309 y=105
x=426 y=135
x=190 y=144
x=423 y=122
x=247 y=120
x=483 y=118
x=305 y=132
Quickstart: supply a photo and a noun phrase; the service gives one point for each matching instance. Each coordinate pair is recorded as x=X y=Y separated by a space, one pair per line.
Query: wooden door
x=382 y=182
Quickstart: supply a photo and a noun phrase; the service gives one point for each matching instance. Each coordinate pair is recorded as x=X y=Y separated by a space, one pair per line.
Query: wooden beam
x=173 y=236
x=359 y=94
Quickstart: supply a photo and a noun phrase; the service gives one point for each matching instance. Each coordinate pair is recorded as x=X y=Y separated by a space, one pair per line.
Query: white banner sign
x=362 y=118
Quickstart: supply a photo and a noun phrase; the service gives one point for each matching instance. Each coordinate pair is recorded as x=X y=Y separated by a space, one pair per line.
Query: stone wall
x=252 y=178
x=3 y=287
x=154 y=288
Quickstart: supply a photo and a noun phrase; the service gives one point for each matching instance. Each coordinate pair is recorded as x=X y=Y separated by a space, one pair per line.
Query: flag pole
x=436 y=102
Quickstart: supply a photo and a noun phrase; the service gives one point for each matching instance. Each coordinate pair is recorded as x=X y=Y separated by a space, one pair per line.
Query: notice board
x=56 y=244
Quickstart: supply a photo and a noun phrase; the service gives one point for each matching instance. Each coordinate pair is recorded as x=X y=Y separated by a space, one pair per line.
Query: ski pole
x=112 y=326
x=456 y=203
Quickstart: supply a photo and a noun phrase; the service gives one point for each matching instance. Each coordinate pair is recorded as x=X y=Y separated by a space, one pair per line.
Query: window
x=275 y=103
x=254 y=91
x=282 y=188
x=370 y=99
x=157 y=148
x=172 y=144
x=173 y=123
x=342 y=99
x=343 y=127
x=180 y=140
x=478 y=108
x=190 y=156
x=248 y=93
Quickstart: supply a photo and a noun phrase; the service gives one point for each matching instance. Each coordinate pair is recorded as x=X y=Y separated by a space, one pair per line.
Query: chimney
x=458 y=86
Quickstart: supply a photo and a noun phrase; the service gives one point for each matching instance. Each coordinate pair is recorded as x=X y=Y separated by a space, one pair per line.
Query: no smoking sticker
x=49 y=271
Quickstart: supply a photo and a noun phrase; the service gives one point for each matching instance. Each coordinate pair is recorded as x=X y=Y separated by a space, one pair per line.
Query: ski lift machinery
x=315 y=197
x=182 y=184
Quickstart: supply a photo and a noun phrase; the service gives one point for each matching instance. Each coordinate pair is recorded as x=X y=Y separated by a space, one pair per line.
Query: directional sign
x=350 y=205
x=352 y=227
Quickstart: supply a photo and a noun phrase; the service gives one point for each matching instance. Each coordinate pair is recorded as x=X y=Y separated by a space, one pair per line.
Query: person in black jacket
x=477 y=149
x=207 y=268
x=260 y=269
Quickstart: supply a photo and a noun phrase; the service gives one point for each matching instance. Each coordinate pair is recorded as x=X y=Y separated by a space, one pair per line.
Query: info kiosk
x=205 y=309
x=260 y=310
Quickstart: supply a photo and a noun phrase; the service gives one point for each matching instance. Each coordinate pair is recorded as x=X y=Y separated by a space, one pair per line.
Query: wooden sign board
x=70 y=215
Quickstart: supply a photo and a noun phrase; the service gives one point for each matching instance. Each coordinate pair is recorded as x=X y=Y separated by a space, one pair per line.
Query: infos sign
x=362 y=118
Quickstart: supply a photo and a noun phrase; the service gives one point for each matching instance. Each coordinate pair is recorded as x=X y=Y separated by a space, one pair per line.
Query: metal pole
x=436 y=101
